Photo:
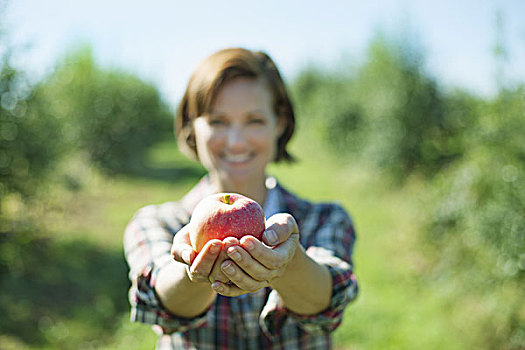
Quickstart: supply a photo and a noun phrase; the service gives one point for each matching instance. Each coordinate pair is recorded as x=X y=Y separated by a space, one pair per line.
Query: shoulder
x=292 y=203
x=168 y=214
x=174 y=213
x=166 y=208
x=325 y=225
x=304 y=209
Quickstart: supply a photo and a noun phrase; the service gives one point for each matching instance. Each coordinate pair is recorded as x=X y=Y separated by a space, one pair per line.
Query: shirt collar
x=273 y=203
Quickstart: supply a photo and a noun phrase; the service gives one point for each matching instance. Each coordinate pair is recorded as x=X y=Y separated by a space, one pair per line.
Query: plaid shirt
x=251 y=321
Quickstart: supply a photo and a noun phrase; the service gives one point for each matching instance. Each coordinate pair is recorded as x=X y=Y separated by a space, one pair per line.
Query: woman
x=287 y=292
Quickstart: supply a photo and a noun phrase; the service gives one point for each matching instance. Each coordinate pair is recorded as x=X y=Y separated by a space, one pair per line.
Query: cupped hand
x=254 y=264
x=198 y=265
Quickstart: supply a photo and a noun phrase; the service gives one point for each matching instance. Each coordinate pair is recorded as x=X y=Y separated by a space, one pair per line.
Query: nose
x=236 y=138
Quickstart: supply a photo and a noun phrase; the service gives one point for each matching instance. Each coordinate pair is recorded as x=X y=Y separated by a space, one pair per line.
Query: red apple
x=225 y=215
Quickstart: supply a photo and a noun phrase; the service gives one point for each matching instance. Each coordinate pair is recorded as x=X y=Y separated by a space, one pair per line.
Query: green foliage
x=387 y=110
x=66 y=295
x=30 y=140
x=476 y=224
x=404 y=110
x=323 y=101
x=110 y=115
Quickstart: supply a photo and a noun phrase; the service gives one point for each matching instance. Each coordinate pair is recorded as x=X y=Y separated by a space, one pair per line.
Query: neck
x=255 y=189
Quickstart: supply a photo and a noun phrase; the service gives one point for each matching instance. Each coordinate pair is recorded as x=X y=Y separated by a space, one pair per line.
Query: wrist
x=294 y=265
x=306 y=286
x=179 y=294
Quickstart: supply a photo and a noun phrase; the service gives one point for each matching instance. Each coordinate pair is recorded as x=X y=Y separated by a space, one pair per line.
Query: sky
x=163 y=41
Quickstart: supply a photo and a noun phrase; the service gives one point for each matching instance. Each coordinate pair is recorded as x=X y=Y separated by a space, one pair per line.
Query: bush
x=111 y=116
x=387 y=111
x=404 y=110
x=29 y=135
x=476 y=225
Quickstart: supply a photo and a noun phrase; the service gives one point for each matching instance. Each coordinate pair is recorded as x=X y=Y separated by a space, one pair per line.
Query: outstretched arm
x=183 y=285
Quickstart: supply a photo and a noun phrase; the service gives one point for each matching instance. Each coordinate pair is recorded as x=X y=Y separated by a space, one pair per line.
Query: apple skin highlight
x=224 y=215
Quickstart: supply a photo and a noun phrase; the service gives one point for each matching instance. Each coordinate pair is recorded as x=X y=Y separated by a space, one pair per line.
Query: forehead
x=243 y=92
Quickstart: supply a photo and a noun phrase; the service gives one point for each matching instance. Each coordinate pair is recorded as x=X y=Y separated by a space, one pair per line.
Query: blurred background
x=409 y=114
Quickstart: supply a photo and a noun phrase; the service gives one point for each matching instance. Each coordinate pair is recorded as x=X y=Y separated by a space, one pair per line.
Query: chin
x=242 y=176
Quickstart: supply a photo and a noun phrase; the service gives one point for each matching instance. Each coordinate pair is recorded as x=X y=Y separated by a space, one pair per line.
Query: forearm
x=179 y=294
x=306 y=286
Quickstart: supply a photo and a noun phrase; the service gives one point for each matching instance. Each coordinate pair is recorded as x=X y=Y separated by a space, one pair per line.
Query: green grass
x=70 y=289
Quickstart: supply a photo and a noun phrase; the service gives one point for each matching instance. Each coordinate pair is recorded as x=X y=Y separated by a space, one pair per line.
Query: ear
x=186 y=142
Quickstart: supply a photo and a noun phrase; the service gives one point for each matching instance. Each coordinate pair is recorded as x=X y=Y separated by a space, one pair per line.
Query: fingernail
x=186 y=256
x=230 y=241
x=228 y=268
x=271 y=236
x=215 y=248
x=248 y=244
x=234 y=255
x=216 y=286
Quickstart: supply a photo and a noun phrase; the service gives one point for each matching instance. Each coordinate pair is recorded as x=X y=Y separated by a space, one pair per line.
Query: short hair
x=218 y=69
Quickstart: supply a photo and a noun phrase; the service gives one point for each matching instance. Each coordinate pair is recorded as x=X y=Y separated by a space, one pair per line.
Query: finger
x=217 y=274
x=183 y=253
x=229 y=290
x=206 y=258
x=271 y=257
x=278 y=228
x=248 y=264
x=203 y=264
x=181 y=249
x=286 y=250
x=238 y=277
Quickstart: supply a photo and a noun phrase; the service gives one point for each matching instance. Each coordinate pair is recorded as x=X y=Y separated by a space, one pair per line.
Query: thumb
x=278 y=228
x=181 y=249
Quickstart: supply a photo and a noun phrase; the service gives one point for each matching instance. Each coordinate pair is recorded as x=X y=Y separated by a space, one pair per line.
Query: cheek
x=207 y=140
x=266 y=140
x=215 y=140
x=209 y=143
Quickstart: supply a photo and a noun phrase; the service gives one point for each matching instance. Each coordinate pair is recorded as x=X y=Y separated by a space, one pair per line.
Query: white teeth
x=237 y=158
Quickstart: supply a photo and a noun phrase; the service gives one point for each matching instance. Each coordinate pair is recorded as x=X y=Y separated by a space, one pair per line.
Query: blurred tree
x=29 y=134
x=111 y=116
x=324 y=102
x=404 y=109
x=387 y=110
x=476 y=224
x=30 y=146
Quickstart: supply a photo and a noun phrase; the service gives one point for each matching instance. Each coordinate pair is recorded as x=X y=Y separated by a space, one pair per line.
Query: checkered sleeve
x=147 y=246
x=331 y=244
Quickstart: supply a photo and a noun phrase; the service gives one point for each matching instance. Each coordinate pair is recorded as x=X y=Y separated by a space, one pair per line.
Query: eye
x=216 y=121
x=257 y=121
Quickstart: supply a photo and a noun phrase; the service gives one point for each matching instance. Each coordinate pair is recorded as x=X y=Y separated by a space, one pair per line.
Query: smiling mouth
x=237 y=158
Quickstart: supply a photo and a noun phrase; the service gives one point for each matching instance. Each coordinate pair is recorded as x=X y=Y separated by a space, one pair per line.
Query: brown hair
x=212 y=74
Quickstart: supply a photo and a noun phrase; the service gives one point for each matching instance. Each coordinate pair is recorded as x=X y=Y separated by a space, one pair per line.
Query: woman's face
x=238 y=138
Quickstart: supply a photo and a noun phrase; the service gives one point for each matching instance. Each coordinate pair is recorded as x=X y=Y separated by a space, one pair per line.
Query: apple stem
x=227 y=199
